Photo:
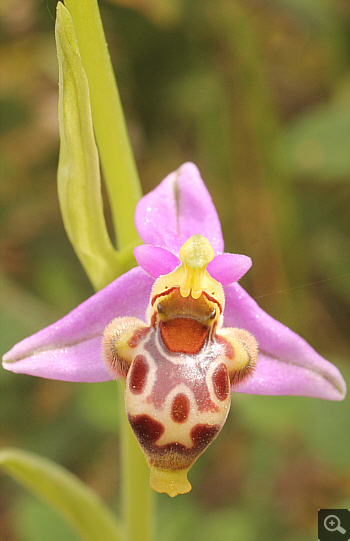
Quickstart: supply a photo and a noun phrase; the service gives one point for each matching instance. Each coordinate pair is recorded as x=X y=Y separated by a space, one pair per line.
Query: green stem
x=138 y=502
x=116 y=155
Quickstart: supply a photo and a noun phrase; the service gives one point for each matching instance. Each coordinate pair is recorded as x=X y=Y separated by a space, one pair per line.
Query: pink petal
x=228 y=268
x=70 y=349
x=287 y=363
x=73 y=362
x=275 y=377
x=178 y=208
x=155 y=260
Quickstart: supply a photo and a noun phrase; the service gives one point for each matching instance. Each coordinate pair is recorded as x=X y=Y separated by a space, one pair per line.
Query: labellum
x=179 y=367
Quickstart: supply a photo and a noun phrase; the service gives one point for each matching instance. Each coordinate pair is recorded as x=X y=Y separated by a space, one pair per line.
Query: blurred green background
x=257 y=94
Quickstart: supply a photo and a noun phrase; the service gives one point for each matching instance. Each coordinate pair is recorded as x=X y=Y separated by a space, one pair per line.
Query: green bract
x=116 y=155
x=79 y=185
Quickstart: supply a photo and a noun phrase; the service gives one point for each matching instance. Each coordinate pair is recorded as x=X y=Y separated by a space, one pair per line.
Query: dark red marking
x=138 y=376
x=180 y=408
x=147 y=430
x=220 y=382
x=183 y=335
x=212 y=299
x=171 y=289
x=165 y=292
x=202 y=435
x=138 y=335
x=172 y=456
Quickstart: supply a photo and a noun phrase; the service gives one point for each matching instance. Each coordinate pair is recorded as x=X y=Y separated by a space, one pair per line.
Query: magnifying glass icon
x=332 y=524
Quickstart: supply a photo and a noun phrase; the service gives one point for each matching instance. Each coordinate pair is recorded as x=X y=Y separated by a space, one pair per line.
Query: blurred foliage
x=256 y=93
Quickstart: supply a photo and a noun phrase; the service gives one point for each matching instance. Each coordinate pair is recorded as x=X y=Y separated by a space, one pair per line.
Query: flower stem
x=112 y=139
x=138 y=502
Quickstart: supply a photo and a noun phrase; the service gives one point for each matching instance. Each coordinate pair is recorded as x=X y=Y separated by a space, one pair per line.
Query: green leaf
x=79 y=185
x=74 y=500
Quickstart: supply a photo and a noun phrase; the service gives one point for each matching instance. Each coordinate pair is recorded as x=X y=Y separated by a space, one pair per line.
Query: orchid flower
x=184 y=250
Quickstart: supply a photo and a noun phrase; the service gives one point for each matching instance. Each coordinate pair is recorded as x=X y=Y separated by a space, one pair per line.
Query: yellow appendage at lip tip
x=195 y=255
x=169 y=481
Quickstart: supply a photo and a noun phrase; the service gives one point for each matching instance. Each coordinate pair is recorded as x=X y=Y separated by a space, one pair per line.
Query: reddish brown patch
x=175 y=455
x=138 y=376
x=154 y=319
x=180 y=408
x=147 y=430
x=228 y=347
x=220 y=382
x=138 y=336
x=183 y=335
x=202 y=435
